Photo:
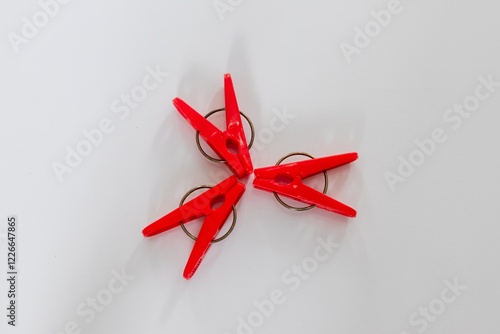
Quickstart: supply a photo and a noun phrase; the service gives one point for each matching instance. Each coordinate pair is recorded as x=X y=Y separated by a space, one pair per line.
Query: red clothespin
x=286 y=180
x=229 y=145
x=229 y=191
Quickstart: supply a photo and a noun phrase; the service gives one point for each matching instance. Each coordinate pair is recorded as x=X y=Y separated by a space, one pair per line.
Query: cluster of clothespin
x=217 y=202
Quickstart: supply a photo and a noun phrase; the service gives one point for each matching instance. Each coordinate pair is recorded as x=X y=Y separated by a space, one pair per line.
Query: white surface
x=440 y=224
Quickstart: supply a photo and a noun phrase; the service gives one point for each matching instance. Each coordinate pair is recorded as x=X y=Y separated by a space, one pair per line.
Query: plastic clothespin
x=229 y=191
x=229 y=145
x=287 y=179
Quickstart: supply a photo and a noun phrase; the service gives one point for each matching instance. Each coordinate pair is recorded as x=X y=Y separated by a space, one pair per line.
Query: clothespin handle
x=197 y=207
x=207 y=130
x=211 y=227
x=303 y=193
x=306 y=168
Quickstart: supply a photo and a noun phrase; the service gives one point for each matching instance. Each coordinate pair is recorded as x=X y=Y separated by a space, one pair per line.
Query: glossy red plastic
x=229 y=190
x=229 y=145
x=287 y=179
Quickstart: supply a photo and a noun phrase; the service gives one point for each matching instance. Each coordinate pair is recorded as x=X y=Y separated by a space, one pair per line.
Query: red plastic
x=230 y=190
x=286 y=180
x=229 y=145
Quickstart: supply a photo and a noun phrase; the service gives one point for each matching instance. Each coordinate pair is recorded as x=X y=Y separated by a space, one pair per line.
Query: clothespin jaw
x=287 y=179
x=228 y=192
x=230 y=145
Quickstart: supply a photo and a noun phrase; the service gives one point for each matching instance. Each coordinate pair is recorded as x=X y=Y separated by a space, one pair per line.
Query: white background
x=440 y=224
